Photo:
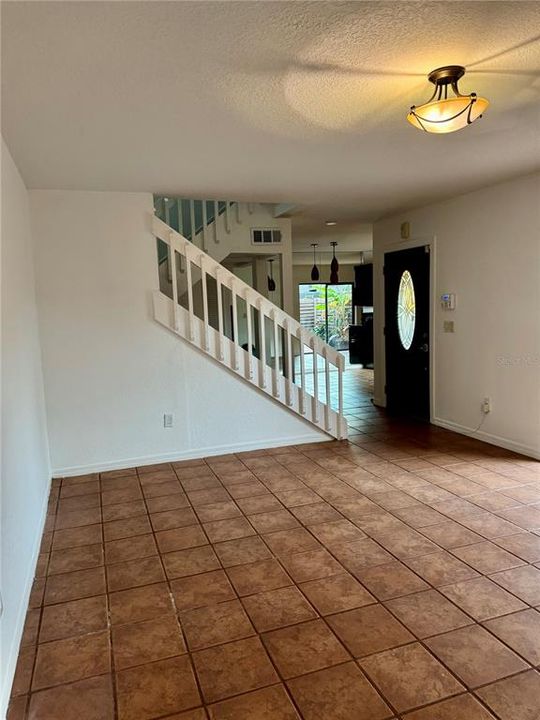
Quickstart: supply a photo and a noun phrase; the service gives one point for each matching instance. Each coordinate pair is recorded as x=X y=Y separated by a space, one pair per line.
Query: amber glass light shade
x=444 y=114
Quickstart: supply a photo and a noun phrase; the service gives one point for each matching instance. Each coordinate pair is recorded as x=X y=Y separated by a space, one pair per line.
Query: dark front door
x=406 y=289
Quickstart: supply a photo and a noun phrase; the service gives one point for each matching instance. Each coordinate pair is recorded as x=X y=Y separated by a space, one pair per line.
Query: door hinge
x=427 y=249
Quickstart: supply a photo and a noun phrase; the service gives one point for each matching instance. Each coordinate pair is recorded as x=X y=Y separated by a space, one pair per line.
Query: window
x=265 y=236
x=406 y=310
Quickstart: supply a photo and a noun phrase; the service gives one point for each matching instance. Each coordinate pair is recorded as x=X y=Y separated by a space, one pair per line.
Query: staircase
x=271 y=356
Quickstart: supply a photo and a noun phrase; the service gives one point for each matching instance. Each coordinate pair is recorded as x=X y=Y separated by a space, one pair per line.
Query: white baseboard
x=488 y=438
x=13 y=652
x=196 y=453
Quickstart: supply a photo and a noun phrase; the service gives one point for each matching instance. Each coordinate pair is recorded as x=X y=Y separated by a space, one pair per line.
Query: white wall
x=487 y=251
x=110 y=370
x=25 y=472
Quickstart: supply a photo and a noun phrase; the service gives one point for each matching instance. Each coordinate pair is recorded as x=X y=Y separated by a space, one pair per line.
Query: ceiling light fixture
x=315 y=275
x=334 y=266
x=330 y=223
x=443 y=114
x=271 y=281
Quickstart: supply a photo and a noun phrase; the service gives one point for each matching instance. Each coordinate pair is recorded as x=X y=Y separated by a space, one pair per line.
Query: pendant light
x=443 y=114
x=334 y=266
x=271 y=281
x=315 y=275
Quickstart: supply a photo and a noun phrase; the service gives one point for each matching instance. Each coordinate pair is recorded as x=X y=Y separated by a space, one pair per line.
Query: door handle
x=424 y=347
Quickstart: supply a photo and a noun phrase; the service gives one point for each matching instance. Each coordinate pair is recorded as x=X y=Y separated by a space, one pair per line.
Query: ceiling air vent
x=265 y=236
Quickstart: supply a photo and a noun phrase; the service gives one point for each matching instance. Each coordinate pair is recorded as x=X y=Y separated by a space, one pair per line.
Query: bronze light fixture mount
x=443 y=113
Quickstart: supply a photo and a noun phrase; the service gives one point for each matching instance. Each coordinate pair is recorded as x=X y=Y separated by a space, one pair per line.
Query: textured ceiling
x=271 y=101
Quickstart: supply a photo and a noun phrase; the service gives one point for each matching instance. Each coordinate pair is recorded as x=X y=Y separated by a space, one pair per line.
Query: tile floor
x=396 y=575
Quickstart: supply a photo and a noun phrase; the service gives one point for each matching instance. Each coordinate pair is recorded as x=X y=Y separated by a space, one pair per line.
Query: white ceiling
x=270 y=101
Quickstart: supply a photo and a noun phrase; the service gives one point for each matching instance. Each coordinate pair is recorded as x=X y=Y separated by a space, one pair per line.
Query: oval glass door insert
x=406 y=310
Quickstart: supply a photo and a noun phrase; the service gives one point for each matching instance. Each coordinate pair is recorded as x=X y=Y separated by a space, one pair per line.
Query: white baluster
x=315 y=406
x=167 y=210
x=180 y=216
x=220 y=313
x=238 y=220
x=290 y=384
x=190 y=297
x=276 y=356
x=235 y=326
x=174 y=279
x=262 y=345
x=327 y=378
x=205 y=302
x=302 y=374
x=250 y=334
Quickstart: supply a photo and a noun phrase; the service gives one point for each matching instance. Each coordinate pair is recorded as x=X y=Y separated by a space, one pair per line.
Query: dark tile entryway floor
x=392 y=576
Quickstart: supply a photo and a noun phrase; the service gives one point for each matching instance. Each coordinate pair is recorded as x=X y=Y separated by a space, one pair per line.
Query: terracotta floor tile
x=77 y=518
x=134 y=573
x=229 y=529
x=466 y=650
x=167 y=502
x=338 y=693
x=243 y=550
x=17 y=708
x=85 y=488
x=181 y=538
x=31 y=627
x=361 y=554
x=311 y=565
x=407 y=543
x=75 y=537
x=190 y=562
x=303 y=648
x=218 y=511
x=521 y=631
x=390 y=580
x=337 y=533
x=428 y=613
x=293 y=498
x=197 y=714
x=258 y=577
x=140 y=603
x=271 y=703
x=274 y=521
x=117 y=529
x=277 y=608
x=181 y=517
x=525 y=545
x=208 y=497
x=368 y=630
x=441 y=568
x=122 y=511
x=288 y=542
x=259 y=504
x=522 y=581
x=161 y=489
x=482 y=599
x=74 y=585
x=248 y=668
x=516 y=698
x=491 y=526
x=215 y=624
x=252 y=488
x=201 y=590
x=203 y=482
x=143 y=642
x=130 y=548
x=79 y=502
x=462 y=707
x=76 y=558
x=23 y=671
x=77 y=617
x=409 y=676
x=336 y=593
x=318 y=512
x=90 y=699
x=156 y=689
x=486 y=557
x=64 y=661
x=527 y=518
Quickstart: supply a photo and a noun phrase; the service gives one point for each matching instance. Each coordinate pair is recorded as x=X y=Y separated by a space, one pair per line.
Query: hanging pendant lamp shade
x=443 y=114
x=334 y=266
x=315 y=275
x=271 y=281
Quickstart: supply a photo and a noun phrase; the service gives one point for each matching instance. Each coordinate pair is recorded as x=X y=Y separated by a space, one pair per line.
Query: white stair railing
x=279 y=367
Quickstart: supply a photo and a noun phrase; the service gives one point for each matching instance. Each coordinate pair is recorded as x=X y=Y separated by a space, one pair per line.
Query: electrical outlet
x=486 y=406
x=448 y=326
x=167 y=420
